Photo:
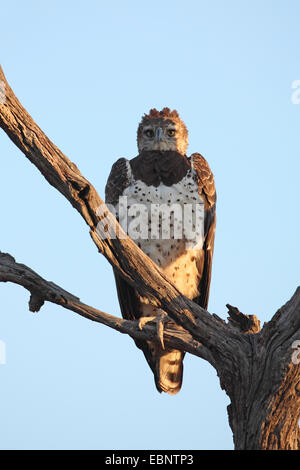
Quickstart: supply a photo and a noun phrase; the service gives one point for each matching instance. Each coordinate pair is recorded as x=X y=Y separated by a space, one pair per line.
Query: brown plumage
x=162 y=173
x=155 y=167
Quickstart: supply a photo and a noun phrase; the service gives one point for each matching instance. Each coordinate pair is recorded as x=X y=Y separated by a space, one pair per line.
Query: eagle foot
x=159 y=319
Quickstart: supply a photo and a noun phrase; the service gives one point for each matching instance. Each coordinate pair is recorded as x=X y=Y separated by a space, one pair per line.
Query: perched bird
x=171 y=202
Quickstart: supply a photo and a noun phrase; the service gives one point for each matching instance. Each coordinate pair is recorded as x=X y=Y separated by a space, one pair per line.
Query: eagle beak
x=158 y=135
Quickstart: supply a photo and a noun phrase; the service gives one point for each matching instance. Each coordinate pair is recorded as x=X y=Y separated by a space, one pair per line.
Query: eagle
x=156 y=188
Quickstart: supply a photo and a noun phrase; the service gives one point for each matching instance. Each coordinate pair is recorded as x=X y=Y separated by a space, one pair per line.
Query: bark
x=42 y=290
x=259 y=369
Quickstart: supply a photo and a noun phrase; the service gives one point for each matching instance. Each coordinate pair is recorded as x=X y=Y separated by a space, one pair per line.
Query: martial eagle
x=162 y=177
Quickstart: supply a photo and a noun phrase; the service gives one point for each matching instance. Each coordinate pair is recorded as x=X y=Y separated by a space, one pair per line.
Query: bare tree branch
x=246 y=323
x=42 y=290
x=257 y=368
x=122 y=253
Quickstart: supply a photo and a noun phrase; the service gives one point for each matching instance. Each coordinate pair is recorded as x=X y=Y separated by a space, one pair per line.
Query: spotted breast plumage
x=170 y=204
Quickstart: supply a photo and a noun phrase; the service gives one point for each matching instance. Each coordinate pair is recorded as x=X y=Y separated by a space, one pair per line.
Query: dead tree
x=258 y=368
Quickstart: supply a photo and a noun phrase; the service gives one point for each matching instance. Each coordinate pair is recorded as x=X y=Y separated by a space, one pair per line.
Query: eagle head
x=162 y=130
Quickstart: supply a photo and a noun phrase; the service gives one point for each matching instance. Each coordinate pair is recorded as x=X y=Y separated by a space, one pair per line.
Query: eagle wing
x=206 y=188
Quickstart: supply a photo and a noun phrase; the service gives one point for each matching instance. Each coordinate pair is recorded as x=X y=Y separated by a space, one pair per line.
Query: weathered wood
x=246 y=323
x=122 y=253
x=42 y=290
x=257 y=368
x=265 y=399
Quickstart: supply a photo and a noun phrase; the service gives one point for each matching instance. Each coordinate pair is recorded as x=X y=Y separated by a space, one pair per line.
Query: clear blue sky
x=87 y=71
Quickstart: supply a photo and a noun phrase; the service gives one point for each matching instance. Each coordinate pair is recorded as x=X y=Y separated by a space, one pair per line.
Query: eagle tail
x=168 y=371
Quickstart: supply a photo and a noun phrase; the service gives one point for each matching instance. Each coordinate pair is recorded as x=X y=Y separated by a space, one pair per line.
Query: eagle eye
x=171 y=132
x=149 y=133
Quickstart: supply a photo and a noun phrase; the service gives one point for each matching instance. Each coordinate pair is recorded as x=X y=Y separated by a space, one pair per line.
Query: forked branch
x=121 y=252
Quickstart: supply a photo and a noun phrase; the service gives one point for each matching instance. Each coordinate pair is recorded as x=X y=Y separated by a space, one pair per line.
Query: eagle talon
x=144 y=320
x=159 y=319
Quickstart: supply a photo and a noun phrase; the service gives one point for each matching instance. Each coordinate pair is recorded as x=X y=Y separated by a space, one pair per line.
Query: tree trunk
x=265 y=396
